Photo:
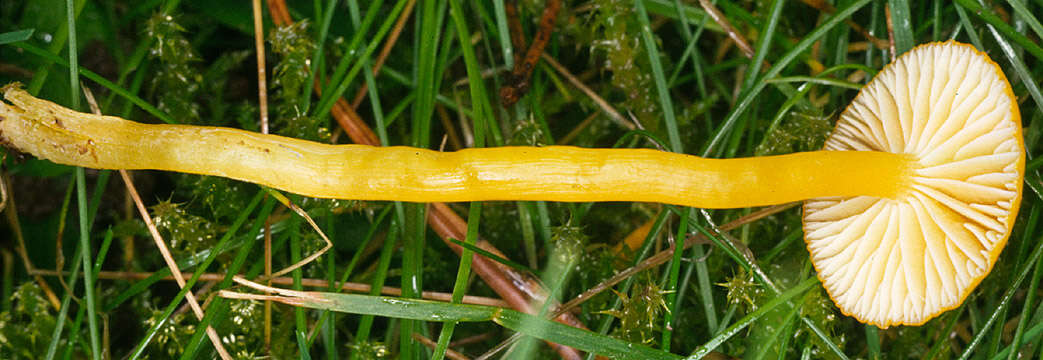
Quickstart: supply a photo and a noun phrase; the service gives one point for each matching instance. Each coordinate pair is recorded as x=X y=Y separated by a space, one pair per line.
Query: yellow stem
x=552 y=173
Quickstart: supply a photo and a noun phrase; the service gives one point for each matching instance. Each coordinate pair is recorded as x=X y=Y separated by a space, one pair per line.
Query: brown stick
x=279 y=13
x=351 y=122
x=733 y=34
x=510 y=8
x=518 y=81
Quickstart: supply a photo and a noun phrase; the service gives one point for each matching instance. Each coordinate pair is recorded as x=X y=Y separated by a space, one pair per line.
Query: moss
x=369 y=350
x=294 y=47
x=25 y=330
x=625 y=56
x=173 y=334
x=598 y=264
x=527 y=132
x=569 y=243
x=743 y=290
x=797 y=132
x=177 y=81
x=244 y=329
x=819 y=309
x=220 y=196
x=185 y=233
x=641 y=312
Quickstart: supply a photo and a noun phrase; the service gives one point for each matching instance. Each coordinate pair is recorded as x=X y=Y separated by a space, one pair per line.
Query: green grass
x=662 y=63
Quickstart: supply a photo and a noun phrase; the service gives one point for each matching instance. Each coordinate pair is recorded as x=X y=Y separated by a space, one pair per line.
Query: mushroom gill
x=905 y=260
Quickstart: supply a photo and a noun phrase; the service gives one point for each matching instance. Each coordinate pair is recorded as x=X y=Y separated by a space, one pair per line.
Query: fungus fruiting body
x=913 y=197
x=905 y=259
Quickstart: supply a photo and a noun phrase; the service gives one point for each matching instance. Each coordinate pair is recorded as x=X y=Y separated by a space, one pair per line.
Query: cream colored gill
x=905 y=260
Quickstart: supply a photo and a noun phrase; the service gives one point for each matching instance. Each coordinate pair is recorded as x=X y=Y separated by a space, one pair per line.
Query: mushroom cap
x=903 y=261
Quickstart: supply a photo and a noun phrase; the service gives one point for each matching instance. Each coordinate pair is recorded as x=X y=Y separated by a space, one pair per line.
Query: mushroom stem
x=553 y=173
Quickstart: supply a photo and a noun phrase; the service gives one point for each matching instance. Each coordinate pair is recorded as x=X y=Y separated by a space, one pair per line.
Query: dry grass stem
x=722 y=20
x=329 y=244
x=262 y=73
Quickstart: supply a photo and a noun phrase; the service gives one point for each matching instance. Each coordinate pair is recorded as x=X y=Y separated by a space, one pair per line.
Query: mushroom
x=911 y=201
x=903 y=260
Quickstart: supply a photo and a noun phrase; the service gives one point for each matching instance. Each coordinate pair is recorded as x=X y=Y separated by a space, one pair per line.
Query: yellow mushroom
x=906 y=259
x=912 y=199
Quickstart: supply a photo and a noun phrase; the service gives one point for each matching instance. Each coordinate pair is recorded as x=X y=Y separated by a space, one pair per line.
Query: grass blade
x=1027 y=16
x=902 y=24
x=81 y=191
x=63 y=312
x=665 y=103
x=1008 y=31
x=15 y=36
